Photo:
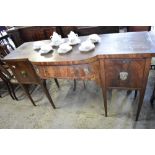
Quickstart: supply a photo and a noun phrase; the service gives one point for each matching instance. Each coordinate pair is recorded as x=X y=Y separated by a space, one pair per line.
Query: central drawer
x=124 y=72
x=82 y=71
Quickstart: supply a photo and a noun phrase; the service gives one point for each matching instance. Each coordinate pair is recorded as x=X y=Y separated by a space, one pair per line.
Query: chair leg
x=25 y=88
x=9 y=90
x=74 y=85
x=57 y=83
x=44 y=87
x=13 y=91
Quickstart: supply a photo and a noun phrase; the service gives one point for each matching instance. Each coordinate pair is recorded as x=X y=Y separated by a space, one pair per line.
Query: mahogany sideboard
x=120 y=61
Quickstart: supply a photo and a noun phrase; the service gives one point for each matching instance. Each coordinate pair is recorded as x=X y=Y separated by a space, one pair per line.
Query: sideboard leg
x=152 y=97
x=141 y=97
x=103 y=84
x=142 y=91
x=105 y=100
x=74 y=88
x=135 y=94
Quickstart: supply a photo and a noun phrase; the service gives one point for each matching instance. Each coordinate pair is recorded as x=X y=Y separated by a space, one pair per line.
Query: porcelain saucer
x=74 y=43
x=63 y=50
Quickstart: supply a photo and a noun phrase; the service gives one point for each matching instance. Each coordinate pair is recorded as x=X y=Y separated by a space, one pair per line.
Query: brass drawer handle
x=86 y=70
x=123 y=75
x=37 y=70
x=24 y=73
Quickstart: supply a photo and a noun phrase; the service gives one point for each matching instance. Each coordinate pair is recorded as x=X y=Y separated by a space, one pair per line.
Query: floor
x=80 y=109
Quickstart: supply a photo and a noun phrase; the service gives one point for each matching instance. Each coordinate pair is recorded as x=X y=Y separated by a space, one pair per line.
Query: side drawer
x=124 y=72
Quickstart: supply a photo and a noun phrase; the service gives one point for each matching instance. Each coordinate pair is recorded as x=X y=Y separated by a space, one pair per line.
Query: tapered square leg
x=57 y=83
x=44 y=87
x=74 y=85
x=152 y=97
x=104 y=92
x=141 y=97
x=135 y=94
x=25 y=88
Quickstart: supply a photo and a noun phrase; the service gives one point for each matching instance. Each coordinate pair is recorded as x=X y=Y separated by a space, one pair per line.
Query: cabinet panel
x=124 y=72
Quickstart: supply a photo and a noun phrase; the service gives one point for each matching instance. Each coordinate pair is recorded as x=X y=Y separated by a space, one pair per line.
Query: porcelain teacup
x=87 y=45
x=94 y=38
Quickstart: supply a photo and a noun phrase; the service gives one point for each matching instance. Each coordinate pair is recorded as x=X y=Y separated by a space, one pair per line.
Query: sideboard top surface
x=111 y=45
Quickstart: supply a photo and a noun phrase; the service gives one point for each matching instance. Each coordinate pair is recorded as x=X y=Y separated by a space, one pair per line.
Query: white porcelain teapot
x=56 y=39
x=73 y=38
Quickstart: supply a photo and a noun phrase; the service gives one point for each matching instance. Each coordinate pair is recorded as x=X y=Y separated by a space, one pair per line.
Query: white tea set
x=57 y=40
x=65 y=47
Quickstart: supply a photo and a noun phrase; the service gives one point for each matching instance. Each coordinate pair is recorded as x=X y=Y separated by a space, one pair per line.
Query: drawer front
x=124 y=72
x=83 y=72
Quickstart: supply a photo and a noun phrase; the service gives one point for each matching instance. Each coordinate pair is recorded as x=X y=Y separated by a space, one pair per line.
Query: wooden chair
x=6 y=79
x=3 y=52
x=26 y=75
x=6 y=74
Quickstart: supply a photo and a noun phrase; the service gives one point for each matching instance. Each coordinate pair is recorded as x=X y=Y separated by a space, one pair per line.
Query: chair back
x=3 y=51
x=2 y=29
x=5 y=72
x=23 y=71
x=3 y=77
